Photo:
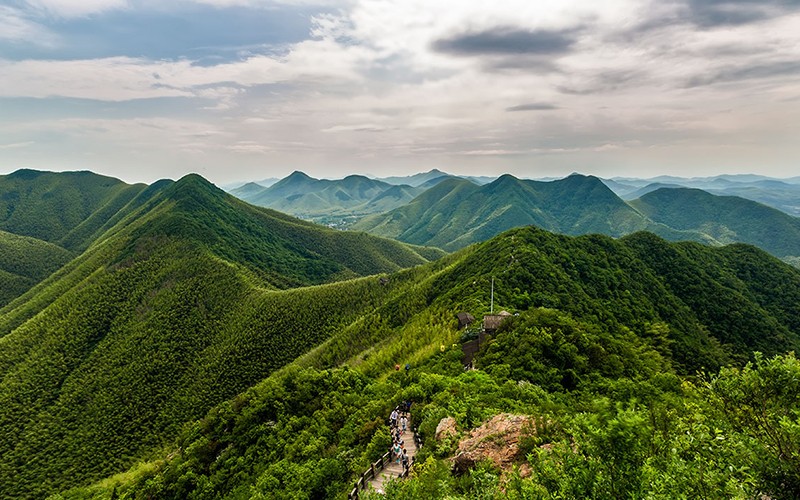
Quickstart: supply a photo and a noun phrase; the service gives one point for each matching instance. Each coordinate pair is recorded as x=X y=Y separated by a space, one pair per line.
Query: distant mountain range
x=340 y=202
x=726 y=219
x=450 y=212
x=783 y=194
x=457 y=213
x=325 y=200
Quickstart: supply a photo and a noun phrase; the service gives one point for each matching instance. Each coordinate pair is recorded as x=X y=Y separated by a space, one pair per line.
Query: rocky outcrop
x=446 y=428
x=497 y=441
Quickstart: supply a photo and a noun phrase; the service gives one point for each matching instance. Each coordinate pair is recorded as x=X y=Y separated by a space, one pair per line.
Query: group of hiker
x=398 y=423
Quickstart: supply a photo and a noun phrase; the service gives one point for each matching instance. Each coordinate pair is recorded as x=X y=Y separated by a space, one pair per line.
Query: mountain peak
x=194 y=187
x=298 y=175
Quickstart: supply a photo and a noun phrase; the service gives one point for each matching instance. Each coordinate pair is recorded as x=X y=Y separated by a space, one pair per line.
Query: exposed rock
x=496 y=440
x=446 y=428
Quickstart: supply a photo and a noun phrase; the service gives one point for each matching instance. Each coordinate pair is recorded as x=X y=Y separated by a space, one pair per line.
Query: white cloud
x=628 y=83
x=16 y=27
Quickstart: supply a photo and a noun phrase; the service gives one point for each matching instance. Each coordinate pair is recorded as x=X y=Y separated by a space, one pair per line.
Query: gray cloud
x=605 y=81
x=507 y=41
x=714 y=13
x=753 y=72
x=534 y=106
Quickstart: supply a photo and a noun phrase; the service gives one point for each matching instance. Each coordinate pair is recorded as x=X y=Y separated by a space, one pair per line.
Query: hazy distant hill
x=322 y=199
x=638 y=193
x=780 y=195
x=783 y=194
x=415 y=180
x=456 y=212
x=174 y=309
x=247 y=190
x=727 y=219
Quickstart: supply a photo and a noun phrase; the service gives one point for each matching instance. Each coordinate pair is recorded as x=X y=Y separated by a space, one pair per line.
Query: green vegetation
x=726 y=219
x=25 y=261
x=334 y=202
x=456 y=213
x=68 y=209
x=604 y=354
x=201 y=347
x=177 y=307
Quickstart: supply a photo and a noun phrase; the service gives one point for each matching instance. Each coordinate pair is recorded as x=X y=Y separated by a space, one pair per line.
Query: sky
x=251 y=89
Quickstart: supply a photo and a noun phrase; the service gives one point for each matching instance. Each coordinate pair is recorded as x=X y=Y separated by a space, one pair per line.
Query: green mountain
x=188 y=300
x=25 y=261
x=457 y=213
x=726 y=219
x=416 y=180
x=69 y=209
x=606 y=329
x=325 y=200
x=201 y=347
x=54 y=216
x=782 y=194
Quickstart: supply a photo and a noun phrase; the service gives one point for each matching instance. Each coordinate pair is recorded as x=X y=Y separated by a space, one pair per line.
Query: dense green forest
x=620 y=351
x=172 y=341
x=456 y=212
x=727 y=219
x=69 y=209
x=190 y=298
x=24 y=261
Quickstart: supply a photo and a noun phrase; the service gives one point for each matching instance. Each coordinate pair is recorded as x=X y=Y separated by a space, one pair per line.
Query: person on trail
x=397 y=452
x=403 y=422
x=404 y=460
x=393 y=418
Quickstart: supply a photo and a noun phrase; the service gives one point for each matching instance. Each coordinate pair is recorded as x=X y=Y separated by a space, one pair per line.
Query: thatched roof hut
x=464 y=319
x=491 y=322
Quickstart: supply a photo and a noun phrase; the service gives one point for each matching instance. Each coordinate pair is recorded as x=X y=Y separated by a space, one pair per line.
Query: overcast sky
x=250 y=89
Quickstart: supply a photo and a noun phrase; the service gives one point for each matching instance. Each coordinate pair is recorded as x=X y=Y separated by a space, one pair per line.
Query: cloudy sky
x=250 y=89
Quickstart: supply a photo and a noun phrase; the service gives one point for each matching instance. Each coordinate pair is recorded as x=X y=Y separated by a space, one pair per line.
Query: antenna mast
x=491 y=309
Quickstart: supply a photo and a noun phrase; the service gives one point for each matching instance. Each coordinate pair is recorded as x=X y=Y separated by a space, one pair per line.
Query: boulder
x=446 y=428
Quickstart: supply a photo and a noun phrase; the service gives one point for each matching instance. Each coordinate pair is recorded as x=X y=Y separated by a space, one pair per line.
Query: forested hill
x=25 y=261
x=69 y=209
x=172 y=310
x=727 y=219
x=457 y=213
x=301 y=195
x=605 y=328
x=48 y=218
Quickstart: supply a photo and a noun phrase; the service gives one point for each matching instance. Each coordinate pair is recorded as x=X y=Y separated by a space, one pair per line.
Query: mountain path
x=393 y=470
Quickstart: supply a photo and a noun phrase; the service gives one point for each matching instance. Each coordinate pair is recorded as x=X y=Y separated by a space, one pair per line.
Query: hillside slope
x=457 y=213
x=25 y=261
x=605 y=325
x=68 y=209
x=177 y=307
x=727 y=219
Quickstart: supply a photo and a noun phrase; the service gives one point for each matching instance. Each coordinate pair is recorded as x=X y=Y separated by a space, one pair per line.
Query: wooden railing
x=375 y=469
x=369 y=475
